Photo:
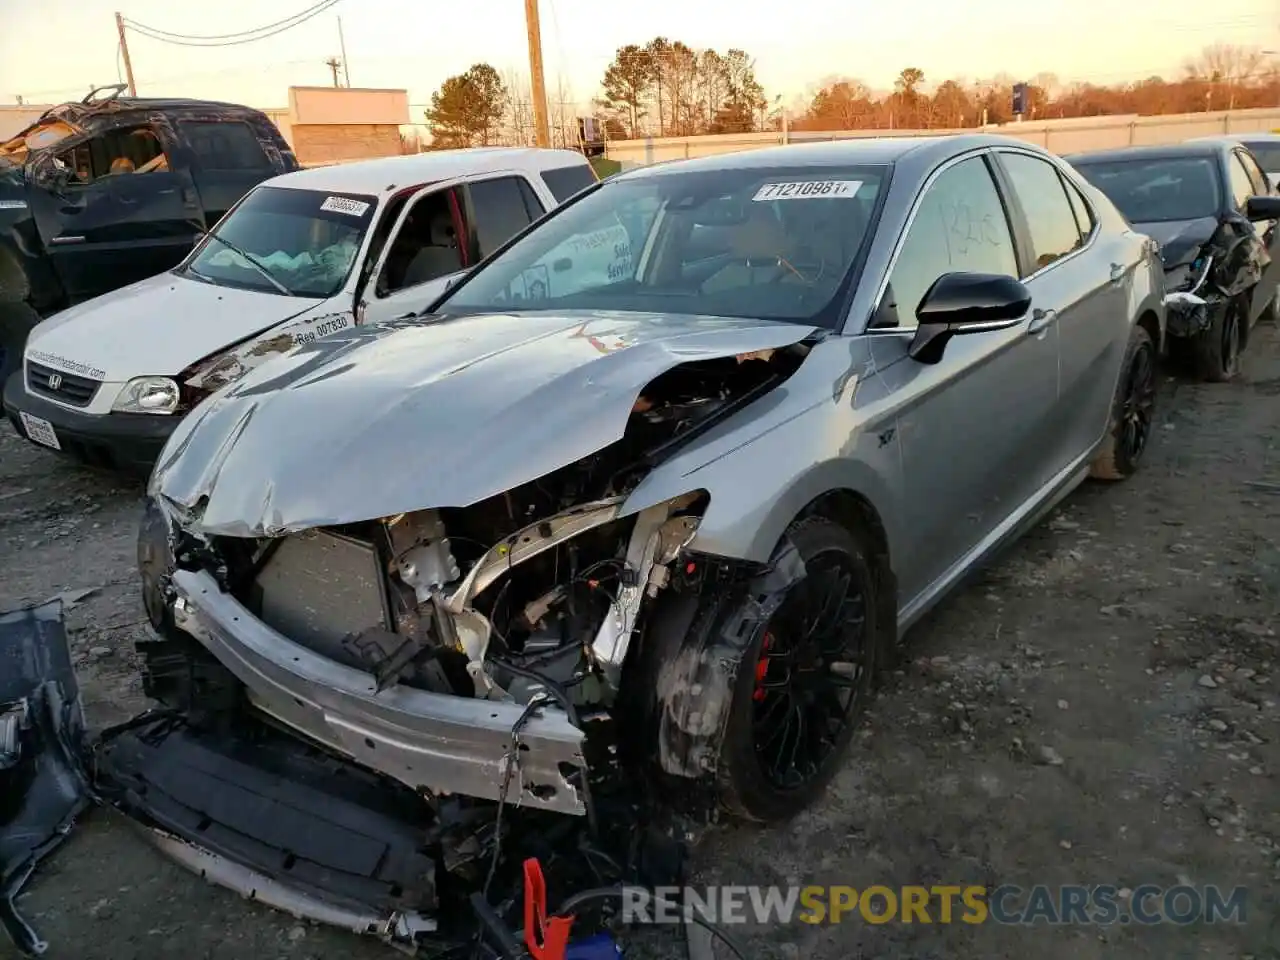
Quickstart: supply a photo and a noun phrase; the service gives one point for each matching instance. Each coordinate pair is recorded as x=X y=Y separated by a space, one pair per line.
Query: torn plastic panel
x=42 y=779
x=277 y=821
x=263 y=813
x=696 y=664
x=1208 y=262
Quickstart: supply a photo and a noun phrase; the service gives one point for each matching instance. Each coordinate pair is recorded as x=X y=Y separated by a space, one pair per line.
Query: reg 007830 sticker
x=809 y=190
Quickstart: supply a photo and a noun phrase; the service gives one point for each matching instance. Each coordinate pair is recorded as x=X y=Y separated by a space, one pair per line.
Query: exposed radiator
x=319 y=588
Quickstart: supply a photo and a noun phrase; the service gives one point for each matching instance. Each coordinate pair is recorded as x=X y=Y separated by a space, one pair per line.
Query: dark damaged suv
x=98 y=194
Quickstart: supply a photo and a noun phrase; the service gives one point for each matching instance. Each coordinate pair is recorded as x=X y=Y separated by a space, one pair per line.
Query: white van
x=300 y=256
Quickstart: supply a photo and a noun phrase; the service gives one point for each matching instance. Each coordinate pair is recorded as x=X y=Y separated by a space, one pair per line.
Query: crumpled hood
x=158 y=326
x=407 y=415
x=1180 y=240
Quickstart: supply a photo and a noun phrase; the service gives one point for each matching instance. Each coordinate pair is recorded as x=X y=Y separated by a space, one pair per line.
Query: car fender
x=828 y=428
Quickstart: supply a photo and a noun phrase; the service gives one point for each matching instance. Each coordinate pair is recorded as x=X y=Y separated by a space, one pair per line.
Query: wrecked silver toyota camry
x=606 y=530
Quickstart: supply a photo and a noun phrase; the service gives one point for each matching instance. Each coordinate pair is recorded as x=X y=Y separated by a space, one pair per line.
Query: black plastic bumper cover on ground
x=42 y=783
x=266 y=815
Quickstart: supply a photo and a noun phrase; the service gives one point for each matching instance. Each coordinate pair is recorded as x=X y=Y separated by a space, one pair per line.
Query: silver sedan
x=678 y=466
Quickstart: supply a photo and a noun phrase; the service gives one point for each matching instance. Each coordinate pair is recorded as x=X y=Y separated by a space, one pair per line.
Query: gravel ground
x=1102 y=706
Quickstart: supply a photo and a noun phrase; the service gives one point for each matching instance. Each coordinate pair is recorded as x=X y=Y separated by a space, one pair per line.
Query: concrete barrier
x=1069 y=135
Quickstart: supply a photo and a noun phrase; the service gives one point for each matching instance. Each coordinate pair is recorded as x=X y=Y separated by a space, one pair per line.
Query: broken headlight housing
x=148 y=395
x=1187 y=279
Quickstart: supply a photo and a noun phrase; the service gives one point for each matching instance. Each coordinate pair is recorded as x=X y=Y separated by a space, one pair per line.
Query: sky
x=55 y=49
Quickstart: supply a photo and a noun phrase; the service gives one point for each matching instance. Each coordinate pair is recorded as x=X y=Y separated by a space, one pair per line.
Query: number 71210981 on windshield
x=809 y=190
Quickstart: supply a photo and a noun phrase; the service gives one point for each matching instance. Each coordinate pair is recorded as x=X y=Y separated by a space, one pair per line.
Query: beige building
x=322 y=124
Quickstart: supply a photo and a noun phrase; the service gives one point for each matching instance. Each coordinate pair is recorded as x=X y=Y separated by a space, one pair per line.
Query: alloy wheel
x=811 y=673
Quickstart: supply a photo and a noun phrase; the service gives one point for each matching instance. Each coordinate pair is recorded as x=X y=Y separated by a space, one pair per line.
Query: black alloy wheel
x=805 y=680
x=1138 y=403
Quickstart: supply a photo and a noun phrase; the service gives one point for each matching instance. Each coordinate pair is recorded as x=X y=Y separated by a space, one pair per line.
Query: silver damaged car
x=671 y=472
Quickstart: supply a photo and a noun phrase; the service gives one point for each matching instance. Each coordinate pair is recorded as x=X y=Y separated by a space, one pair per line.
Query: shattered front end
x=401 y=680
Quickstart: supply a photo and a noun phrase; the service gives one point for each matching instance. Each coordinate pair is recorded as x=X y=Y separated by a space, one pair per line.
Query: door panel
x=1085 y=289
x=117 y=229
x=973 y=428
x=411 y=251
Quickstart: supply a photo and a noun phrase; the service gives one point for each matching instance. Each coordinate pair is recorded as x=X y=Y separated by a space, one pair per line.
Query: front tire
x=1132 y=411
x=804 y=680
x=1217 y=349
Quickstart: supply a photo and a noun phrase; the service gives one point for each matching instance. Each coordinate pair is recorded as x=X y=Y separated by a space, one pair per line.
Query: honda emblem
x=55 y=381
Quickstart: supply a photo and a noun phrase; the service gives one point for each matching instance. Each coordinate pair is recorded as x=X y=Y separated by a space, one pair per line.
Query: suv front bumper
x=445 y=744
x=125 y=442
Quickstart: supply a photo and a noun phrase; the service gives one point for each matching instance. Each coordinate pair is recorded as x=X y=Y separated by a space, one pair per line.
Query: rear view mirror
x=1262 y=208
x=962 y=303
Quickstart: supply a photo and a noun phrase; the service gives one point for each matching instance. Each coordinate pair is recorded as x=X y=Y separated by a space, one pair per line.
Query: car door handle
x=1042 y=320
x=65 y=240
x=1117 y=272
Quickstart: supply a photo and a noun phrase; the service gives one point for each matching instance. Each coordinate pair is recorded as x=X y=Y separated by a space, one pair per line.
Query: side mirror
x=1262 y=208
x=961 y=303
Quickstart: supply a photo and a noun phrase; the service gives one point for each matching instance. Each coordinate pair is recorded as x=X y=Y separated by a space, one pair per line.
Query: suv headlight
x=148 y=395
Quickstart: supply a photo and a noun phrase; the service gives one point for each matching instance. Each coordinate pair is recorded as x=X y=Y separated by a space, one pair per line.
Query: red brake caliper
x=762 y=667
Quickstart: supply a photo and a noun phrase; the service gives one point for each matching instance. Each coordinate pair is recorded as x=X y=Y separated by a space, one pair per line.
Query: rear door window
x=1268 y=156
x=1084 y=216
x=1051 y=220
x=225 y=144
x=497 y=212
x=564 y=182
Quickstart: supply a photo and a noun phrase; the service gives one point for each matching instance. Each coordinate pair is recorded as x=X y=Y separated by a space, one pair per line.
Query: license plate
x=40 y=430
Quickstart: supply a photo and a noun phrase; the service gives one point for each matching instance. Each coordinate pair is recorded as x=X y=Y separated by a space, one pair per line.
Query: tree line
x=667 y=88
x=1223 y=77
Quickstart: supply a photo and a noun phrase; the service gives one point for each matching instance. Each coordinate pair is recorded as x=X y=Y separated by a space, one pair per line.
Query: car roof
x=1204 y=147
x=856 y=150
x=390 y=173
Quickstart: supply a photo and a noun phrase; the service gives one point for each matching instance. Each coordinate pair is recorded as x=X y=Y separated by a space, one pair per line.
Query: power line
x=233 y=39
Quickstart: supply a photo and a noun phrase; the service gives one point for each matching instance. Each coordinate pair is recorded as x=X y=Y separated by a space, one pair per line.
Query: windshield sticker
x=352 y=208
x=809 y=190
x=13 y=204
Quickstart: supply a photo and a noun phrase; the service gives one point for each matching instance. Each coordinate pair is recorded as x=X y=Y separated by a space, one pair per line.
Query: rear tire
x=809 y=693
x=1217 y=349
x=1132 y=411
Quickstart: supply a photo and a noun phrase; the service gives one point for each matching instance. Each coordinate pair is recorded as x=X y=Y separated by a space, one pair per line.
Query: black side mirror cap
x=1262 y=208
x=963 y=303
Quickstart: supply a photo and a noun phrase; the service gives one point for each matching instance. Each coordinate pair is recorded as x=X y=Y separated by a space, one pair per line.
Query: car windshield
x=1159 y=188
x=1267 y=155
x=766 y=243
x=306 y=240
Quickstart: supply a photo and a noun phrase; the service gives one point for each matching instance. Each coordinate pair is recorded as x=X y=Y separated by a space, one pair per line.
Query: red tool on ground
x=546 y=937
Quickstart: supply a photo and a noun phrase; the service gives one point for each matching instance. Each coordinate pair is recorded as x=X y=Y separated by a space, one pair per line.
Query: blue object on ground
x=599 y=947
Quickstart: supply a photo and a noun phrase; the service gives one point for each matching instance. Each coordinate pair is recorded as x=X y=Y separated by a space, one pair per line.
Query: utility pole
x=333 y=63
x=346 y=76
x=537 y=81
x=124 y=55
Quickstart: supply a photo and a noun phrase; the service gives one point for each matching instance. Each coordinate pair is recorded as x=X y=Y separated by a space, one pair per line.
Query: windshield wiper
x=251 y=260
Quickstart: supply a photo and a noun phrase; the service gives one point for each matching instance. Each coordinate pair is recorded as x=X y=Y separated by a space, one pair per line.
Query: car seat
x=438 y=257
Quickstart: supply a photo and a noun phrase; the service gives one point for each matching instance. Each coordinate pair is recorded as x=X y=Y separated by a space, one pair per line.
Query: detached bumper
x=125 y=442
x=278 y=822
x=442 y=743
